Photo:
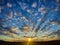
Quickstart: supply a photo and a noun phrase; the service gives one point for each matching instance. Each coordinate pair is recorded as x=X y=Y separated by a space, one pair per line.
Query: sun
x=29 y=39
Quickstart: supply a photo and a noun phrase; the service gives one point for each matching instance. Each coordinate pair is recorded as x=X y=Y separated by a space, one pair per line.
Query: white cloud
x=39 y=0
x=4 y=25
x=10 y=14
x=14 y=24
x=23 y=5
x=28 y=10
x=23 y=17
x=15 y=13
x=0 y=9
x=39 y=19
x=9 y=5
x=9 y=33
x=56 y=9
x=42 y=8
x=36 y=14
x=34 y=5
x=43 y=12
x=57 y=0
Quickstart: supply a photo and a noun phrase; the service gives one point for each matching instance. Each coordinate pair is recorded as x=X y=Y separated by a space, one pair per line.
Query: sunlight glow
x=29 y=39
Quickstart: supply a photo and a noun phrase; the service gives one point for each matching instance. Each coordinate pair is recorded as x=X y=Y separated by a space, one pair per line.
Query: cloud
x=34 y=5
x=8 y=33
x=9 y=5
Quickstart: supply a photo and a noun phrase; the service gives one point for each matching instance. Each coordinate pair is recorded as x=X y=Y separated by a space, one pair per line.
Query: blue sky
x=40 y=13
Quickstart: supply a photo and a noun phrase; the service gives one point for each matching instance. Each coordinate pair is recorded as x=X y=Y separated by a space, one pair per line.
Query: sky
x=41 y=15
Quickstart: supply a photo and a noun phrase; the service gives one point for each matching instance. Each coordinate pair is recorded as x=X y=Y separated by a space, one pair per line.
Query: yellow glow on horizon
x=29 y=39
